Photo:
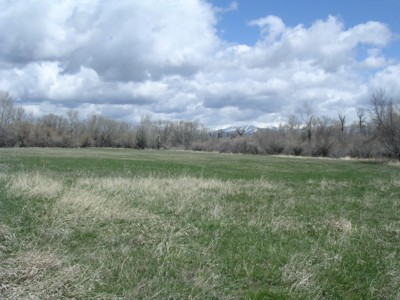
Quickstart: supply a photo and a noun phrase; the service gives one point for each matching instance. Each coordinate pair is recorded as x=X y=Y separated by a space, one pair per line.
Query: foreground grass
x=155 y=225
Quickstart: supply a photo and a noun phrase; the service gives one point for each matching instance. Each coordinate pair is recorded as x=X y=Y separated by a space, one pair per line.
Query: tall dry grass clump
x=35 y=274
x=34 y=185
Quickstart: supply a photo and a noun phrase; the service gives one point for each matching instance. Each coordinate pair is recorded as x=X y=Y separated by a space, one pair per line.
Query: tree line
x=375 y=133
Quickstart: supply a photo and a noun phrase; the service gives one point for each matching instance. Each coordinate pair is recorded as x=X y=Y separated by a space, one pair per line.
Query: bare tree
x=308 y=118
x=386 y=118
x=342 y=126
x=324 y=133
x=22 y=127
x=293 y=122
x=342 y=120
x=7 y=114
x=271 y=141
x=143 y=130
x=293 y=136
x=361 y=120
x=165 y=130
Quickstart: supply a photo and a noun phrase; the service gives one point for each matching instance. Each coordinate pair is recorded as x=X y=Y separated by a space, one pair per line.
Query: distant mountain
x=237 y=130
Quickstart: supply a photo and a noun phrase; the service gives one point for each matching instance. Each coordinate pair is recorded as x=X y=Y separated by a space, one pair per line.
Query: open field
x=113 y=223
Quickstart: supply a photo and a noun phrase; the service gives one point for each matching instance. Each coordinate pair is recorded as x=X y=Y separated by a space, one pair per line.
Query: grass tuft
x=34 y=185
x=42 y=275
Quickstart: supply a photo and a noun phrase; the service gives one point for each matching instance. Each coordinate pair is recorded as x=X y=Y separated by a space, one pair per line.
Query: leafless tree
x=342 y=120
x=342 y=126
x=271 y=141
x=324 y=134
x=293 y=122
x=147 y=134
x=361 y=119
x=308 y=118
x=7 y=114
x=386 y=118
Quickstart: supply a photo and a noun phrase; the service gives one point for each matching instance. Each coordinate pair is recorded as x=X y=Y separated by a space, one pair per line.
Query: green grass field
x=125 y=224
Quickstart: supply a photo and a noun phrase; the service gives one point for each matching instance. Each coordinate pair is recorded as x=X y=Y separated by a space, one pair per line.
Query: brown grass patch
x=34 y=185
x=394 y=163
x=42 y=275
x=299 y=274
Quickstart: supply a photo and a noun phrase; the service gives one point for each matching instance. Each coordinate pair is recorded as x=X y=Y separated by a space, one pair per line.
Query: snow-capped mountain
x=237 y=130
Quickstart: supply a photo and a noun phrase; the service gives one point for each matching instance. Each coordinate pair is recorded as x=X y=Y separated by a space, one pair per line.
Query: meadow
x=130 y=224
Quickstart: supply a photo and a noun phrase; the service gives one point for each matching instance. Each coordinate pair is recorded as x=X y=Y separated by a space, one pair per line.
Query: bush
x=321 y=150
x=297 y=150
x=200 y=146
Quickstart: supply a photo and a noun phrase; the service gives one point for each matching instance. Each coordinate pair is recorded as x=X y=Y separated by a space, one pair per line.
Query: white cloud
x=37 y=30
x=325 y=43
x=388 y=80
x=374 y=60
x=271 y=27
x=233 y=6
x=164 y=58
x=124 y=40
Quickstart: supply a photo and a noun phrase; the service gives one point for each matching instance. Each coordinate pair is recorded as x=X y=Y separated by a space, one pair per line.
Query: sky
x=220 y=62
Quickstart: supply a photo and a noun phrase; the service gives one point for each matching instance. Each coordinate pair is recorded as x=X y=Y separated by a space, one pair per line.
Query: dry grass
x=332 y=185
x=34 y=185
x=300 y=273
x=123 y=198
x=287 y=224
x=30 y=273
x=394 y=163
x=35 y=274
x=303 y=272
x=341 y=225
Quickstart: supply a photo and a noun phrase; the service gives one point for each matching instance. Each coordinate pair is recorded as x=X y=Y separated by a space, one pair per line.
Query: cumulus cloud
x=122 y=41
x=164 y=58
x=326 y=43
x=388 y=79
x=271 y=27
